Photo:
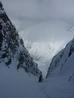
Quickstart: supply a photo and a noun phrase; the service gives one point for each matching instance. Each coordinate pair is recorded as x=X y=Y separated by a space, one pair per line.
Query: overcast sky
x=40 y=8
x=32 y=18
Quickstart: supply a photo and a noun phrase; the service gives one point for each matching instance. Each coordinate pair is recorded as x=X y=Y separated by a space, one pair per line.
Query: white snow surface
x=18 y=84
x=61 y=85
x=60 y=79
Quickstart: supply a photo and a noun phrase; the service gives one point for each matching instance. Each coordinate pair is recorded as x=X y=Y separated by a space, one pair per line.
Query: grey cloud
x=27 y=14
x=40 y=8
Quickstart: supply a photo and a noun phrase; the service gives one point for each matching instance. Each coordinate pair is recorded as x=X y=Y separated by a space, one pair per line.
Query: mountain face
x=59 y=61
x=60 y=77
x=12 y=50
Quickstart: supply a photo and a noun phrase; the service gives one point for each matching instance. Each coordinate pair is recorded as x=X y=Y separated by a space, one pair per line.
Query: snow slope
x=60 y=77
x=18 y=84
x=61 y=58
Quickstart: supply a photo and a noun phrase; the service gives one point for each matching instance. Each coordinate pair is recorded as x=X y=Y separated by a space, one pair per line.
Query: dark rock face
x=12 y=47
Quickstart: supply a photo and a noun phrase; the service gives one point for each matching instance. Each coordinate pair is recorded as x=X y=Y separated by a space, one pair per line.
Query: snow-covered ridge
x=60 y=76
x=59 y=60
x=12 y=47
